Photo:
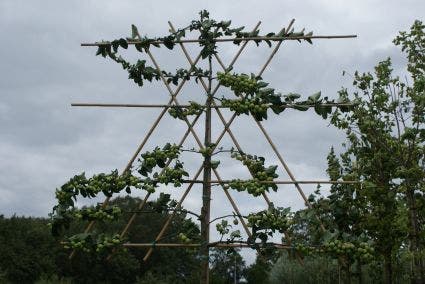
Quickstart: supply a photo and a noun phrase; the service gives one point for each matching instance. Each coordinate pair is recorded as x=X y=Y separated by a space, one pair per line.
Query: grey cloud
x=43 y=141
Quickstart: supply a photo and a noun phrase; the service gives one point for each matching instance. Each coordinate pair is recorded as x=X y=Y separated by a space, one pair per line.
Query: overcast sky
x=44 y=141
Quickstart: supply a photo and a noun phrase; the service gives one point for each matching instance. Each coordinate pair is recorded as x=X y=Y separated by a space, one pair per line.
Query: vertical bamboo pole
x=206 y=188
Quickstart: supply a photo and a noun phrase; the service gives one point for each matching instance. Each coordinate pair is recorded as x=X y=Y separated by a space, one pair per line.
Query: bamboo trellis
x=207 y=181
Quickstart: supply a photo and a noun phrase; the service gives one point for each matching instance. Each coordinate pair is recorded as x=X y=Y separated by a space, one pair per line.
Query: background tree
x=385 y=148
x=28 y=252
x=227 y=266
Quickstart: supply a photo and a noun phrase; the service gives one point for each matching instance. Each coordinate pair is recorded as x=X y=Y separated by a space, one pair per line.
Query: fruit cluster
x=98 y=213
x=251 y=186
x=255 y=106
x=223 y=227
x=107 y=243
x=273 y=219
x=78 y=244
x=262 y=177
x=87 y=242
x=112 y=183
x=238 y=83
x=183 y=238
x=158 y=157
x=305 y=250
x=338 y=248
x=363 y=251
x=207 y=151
x=181 y=113
x=106 y=183
x=172 y=175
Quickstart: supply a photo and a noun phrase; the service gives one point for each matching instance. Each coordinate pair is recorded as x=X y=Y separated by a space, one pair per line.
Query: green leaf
x=301 y=107
x=270 y=170
x=99 y=50
x=293 y=96
x=225 y=24
x=315 y=97
x=134 y=32
x=277 y=108
x=214 y=164
x=262 y=84
x=123 y=43
x=268 y=43
x=139 y=47
x=168 y=42
x=115 y=44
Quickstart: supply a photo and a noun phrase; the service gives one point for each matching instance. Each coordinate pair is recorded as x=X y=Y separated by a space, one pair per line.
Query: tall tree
x=386 y=134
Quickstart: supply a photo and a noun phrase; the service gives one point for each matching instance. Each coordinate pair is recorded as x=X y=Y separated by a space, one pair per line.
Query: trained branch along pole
x=186 y=106
x=214 y=244
x=273 y=38
x=149 y=252
x=207 y=182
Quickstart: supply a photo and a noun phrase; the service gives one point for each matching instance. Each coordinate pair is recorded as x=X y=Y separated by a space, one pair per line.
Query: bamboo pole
x=287 y=236
x=173 y=98
x=170 y=218
x=167 y=106
x=226 y=191
x=216 y=244
x=233 y=137
x=136 y=153
x=190 y=129
x=272 y=38
x=142 y=204
x=301 y=192
x=219 y=181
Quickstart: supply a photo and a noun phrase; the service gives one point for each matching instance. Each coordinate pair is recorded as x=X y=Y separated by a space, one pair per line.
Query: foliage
x=261 y=175
x=265 y=223
x=386 y=132
x=27 y=250
x=253 y=97
x=226 y=266
x=385 y=151
x=258 y=272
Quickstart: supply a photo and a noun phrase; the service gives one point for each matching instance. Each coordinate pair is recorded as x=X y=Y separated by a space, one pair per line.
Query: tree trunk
x=359 y=271
x=388 y=269
x=417 y=273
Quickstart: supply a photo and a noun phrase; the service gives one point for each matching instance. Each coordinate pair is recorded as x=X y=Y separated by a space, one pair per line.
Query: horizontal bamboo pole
x=186 y=106
x=222 y=245
x=283 y=181
x=273 y=38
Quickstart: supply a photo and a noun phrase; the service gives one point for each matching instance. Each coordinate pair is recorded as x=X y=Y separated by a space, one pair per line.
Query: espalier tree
x=252 y=96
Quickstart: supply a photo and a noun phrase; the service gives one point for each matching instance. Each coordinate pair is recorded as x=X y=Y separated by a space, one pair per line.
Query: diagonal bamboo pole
x=282 y=162
x=224 y=122
x=144 y=201
x=142 y=204
x=229 y=197
x=287 y=236
x=173 y=214
x=276 y=151
x=190 y=128
x=136 y=153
